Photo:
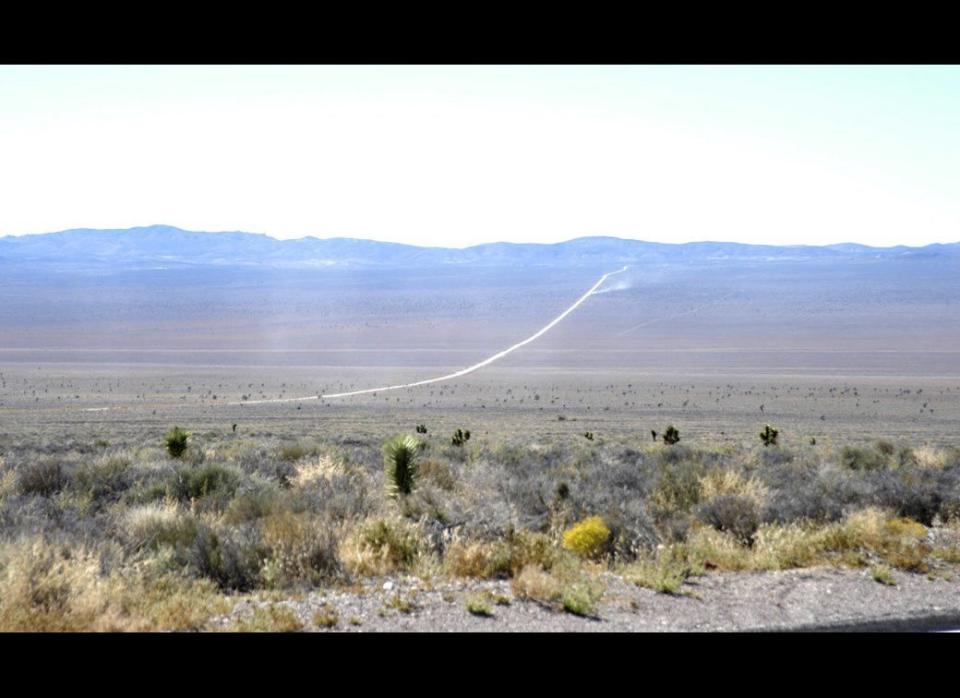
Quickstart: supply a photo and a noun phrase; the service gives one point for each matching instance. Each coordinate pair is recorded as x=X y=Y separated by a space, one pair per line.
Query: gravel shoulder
x=819 y=599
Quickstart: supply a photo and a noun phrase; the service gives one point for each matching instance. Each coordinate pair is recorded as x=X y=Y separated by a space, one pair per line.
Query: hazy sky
x=459 y=155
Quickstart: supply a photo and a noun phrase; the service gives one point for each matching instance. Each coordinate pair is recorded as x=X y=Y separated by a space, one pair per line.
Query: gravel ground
x=804 y=600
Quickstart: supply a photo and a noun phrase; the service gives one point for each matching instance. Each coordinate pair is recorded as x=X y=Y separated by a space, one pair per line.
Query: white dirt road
x=450 y=376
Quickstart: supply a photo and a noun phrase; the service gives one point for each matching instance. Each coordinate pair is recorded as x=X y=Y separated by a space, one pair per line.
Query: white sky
x=456 y=156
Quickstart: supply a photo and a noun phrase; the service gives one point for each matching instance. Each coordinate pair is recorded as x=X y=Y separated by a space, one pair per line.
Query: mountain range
x=163 y=246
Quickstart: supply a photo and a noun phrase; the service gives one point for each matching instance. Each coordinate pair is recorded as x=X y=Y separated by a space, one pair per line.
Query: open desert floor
x=284 y=521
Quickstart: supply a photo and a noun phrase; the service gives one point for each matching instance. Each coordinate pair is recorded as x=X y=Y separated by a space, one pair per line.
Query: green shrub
x=862 y=459
x=886 y=447
x=671 y=435
x=176 y=440
x=42 y=477
x=107 y=478
x=734 y=513
x=292 y=452
x=678 y=487
x=400 y=459
x=197 y=483
x=581 y=598
x=769 y=435
x=478 y=605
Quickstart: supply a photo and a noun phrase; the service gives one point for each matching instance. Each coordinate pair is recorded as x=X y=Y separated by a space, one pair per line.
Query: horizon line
x=498 y=242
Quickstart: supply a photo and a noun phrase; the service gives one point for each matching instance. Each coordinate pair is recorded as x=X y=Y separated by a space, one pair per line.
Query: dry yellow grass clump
x=718 y=483
x=864 y=537
x=379 y=546
x=930 y=457
x=566 y=585
x=323 y=468
x=45 y=587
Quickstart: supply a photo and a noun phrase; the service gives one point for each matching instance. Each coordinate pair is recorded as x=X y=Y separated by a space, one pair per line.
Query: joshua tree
x=400 y=459
x=176 y=440
x=653 y=433
x=769 y=436
x=460 y=437
x=671 y=435
x=588 y=435
x=421 y=429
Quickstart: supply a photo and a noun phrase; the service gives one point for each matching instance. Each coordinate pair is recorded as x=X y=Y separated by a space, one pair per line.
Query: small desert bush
x=504 y=557
x=230 y=557
x=313 y=472
x=152 y=526
x=42 y=477
x=677 y=488
x=886 y=447
x=176 y=441
x=8 y=483
x=734 y=513
x=105 y=479
x=471 y=559
x=588 y=538
x=299 y=548
x=438 y=473
x=930 y=458
x=254 y=503
x=671 y=435
x=883 y=574
x=856 y=458
x=380 y=546
x=717 y=483
x=565 y=587
x=269 y=619
x=582 y=597
x=665 y=572
x=478 y=605
x=293 y=452
x=326 y=617
x=213 y=481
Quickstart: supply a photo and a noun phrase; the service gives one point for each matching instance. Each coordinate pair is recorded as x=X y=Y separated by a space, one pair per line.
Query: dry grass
x=471 y=559
x=929 y=457
x=45 y=587
x=502 y=558
x=718 y=483
x=326 y=617
x=883 y=575
x=478 y=605
x=300 y=548
x=438 y=473
x=312 y=472
x=269 y=619
x=380 y=546
x=8 y=482
x=666 y=572
x=868 y=534
x=565 y=587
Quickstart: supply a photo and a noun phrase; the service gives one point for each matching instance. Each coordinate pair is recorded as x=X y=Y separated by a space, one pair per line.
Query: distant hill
x=160 y=246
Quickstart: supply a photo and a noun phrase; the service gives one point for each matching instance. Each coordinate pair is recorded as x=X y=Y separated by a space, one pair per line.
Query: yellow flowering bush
x=587 y=538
